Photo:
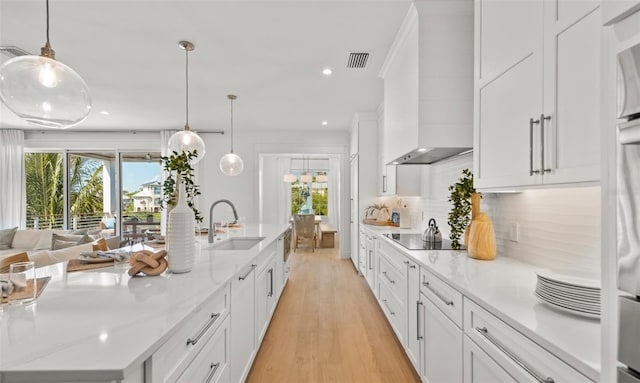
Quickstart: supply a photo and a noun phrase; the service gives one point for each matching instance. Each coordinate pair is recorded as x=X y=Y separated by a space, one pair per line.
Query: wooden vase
x=475 y=210
x=482 y=239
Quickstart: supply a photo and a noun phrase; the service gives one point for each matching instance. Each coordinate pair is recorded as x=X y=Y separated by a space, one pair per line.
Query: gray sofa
x=39 y=246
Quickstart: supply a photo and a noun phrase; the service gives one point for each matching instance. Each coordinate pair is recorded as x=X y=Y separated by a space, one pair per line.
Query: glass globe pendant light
x=43 y=91
x=186 y=140
x=231 y=164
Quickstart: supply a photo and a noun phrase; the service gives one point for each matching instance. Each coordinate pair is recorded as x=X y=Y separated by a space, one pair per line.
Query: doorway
x=301 y=183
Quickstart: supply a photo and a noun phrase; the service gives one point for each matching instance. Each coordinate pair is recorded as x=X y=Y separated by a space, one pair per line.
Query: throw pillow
x=60 y=241
x=109 y=223
x=6 y=237
x=100 y=245
x=79 y=232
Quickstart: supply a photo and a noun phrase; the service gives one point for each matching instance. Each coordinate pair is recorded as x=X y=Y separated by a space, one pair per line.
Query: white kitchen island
x=104 y=326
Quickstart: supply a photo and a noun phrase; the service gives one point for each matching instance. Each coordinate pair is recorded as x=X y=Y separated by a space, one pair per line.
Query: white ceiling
x=269 y=53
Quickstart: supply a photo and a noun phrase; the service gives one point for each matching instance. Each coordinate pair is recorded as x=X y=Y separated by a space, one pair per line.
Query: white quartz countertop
x=505 y=287
x=102 y=323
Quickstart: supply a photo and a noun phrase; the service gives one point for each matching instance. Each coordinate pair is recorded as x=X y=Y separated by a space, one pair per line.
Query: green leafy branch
x=179 y=169
x=460 y=214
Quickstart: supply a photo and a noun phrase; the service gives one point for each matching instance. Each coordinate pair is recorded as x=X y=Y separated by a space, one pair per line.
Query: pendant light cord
x=48 y=22
x=186 y=52
x=231 y=125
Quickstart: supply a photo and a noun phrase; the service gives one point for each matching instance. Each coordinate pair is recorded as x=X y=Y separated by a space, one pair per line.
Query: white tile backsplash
x=559 y=228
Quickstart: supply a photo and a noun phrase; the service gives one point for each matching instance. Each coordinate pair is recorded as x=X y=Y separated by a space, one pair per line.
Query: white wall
x=243 y=190
x=559 y=228
x=269 y=193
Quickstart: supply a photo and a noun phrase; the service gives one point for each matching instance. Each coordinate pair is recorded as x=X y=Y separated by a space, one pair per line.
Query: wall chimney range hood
x=428 y=84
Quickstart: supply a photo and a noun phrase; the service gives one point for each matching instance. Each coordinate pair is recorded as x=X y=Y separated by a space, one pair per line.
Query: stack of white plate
x=577 y=295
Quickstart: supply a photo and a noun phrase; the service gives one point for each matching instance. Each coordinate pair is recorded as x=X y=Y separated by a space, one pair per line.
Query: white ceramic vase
x=180 y=243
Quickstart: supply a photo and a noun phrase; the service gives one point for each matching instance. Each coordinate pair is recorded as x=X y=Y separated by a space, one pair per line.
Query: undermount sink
x=236 y=243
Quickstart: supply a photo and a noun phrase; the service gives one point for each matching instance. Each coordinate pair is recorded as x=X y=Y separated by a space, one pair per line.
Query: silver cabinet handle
x=270 y=282
x=484 y=332
x=437 y=294
x=203 y=330
x=213 y=368
x=384 y=184
x=389 y=279
x=409 y=264
x=370 y=260
x=388 y=308
x=531 y=122
x=242 y=278
x=542 y=120
x=418 y=336
x=351 y=210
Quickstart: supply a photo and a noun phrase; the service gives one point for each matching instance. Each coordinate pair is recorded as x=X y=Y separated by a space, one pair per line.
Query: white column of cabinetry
x=363 y=148
x=536 y=114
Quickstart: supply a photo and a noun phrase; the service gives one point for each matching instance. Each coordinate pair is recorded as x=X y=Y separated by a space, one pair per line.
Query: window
x=311 y=197
x=141 y=188
x=86 y=185
x=77 y=189
x=44 y=174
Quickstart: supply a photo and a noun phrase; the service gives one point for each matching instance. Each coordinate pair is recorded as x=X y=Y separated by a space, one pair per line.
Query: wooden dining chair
x=6 y=262
x=305 y=228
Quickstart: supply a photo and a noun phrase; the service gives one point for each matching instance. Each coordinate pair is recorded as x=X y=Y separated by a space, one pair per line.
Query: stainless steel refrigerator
x=628 y=213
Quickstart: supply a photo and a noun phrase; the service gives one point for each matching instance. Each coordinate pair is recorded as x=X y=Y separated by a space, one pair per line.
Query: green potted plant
x=179 y=170
x=460 y=198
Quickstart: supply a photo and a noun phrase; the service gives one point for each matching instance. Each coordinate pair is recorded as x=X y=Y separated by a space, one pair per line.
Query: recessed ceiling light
x=327 y=71
x=104 y=112
x=324 y=123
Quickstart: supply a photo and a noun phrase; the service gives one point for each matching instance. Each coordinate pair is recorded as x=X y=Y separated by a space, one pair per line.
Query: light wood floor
x=328 y=327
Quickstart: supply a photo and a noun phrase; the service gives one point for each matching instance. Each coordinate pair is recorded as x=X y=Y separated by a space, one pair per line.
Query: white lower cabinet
x=479 y=367
x=171 y=359
x=393 y=309
x=371 y=255
x=243 y=346
x=212 y=363
x=448 y=337
x=265 y=298
x=521 y=358
x=441 y=344
x=414 y=338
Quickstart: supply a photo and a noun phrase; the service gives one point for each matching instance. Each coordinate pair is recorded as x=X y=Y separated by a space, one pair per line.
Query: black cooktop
x=414 y=242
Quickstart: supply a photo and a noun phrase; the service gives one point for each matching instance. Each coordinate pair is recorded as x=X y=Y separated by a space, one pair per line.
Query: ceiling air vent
x=7 y=53
x=358 y=60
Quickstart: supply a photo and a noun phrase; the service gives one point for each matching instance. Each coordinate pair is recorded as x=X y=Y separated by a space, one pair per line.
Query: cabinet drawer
x=518 y=355
x=395 y=258
x=212 y=363
x=176 y=353
x=393 y=310
x=445 y=297
x=395 y=281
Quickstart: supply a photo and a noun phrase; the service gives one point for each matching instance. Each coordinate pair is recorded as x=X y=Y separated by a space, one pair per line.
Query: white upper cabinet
x=428 y=77
x=536 y=113
x=572 y=91
x=616 y=10
x=393 y=179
